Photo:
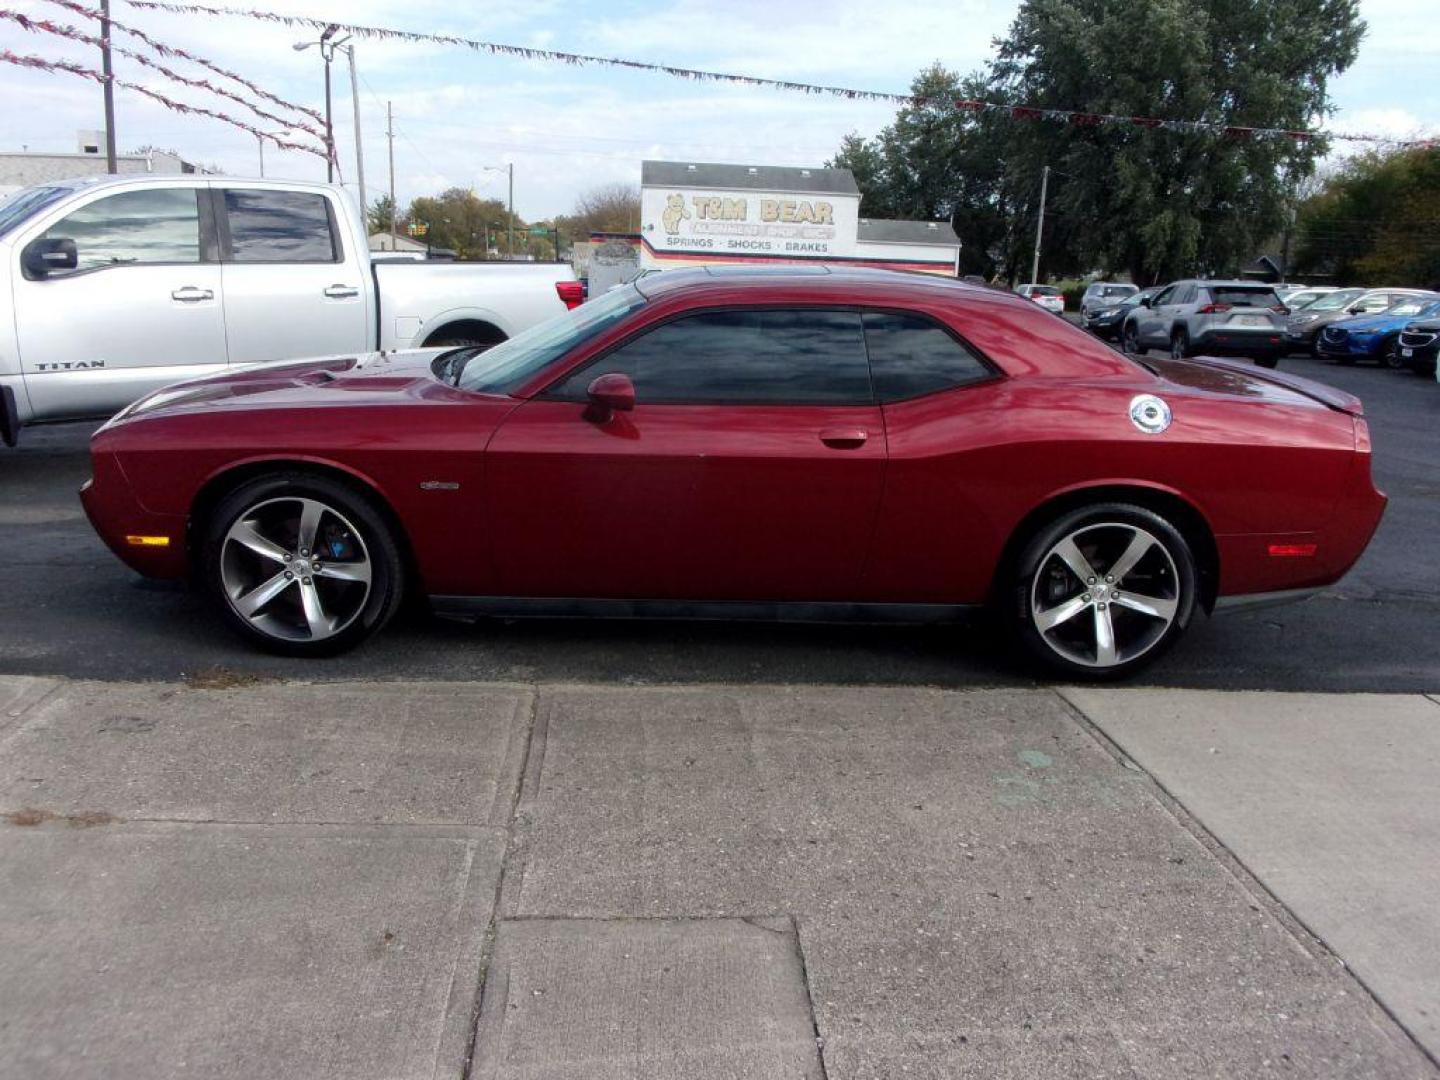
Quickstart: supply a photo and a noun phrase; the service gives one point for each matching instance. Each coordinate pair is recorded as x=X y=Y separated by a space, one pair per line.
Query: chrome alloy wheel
x=295 y=568
x=1105 y=594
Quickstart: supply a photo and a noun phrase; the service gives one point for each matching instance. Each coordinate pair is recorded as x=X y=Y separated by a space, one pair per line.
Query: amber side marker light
x=1292 y=551
x=148 y=541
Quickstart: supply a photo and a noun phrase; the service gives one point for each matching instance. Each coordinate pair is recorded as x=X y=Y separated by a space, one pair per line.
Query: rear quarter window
x=910 y=356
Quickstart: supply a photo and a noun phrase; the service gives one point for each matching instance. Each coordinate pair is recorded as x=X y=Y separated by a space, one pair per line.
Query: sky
x=460 y=117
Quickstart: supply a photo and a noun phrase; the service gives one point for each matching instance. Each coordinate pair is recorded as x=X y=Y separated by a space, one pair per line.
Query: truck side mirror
x=48 y=255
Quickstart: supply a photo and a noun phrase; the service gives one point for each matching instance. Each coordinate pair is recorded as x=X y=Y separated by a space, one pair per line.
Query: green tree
x=1156 y=202
x=466 y=224
x=377 y=215
x=1376 y=221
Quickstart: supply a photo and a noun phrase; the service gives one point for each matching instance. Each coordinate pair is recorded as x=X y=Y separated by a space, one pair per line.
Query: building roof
x=747 y=177
x=878 y=231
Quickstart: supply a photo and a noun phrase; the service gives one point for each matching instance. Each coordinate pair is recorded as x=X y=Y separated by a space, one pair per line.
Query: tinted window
x=741 y=357
x=279 y=226
x=1184 y=295
x=1164 y=297
x=160 y=225
x=911 y=356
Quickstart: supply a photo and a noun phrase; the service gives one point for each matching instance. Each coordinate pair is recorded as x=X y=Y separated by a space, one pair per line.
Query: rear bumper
x=152 y=544
x=1241 y=342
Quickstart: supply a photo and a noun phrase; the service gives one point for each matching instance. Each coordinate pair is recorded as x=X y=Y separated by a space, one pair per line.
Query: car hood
x=1368 y=323
x=1430 y=322
x=369 y=378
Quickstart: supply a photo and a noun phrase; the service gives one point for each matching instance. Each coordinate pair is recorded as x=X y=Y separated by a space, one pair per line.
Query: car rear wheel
x=1268 y=360
x=1179 y=345
x=302 y=565
x=1103 y=591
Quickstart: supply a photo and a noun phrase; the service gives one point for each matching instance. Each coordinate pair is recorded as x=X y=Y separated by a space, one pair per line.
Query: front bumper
x=1360 y=348
x=149 y=543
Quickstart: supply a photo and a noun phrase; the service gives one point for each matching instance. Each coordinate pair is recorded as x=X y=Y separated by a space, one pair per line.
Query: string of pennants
x=1018 y=112
x=59 y=30
x=40 y=63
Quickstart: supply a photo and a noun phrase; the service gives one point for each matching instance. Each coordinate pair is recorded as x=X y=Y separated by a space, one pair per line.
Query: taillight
x=1212 y=309
x=572 y=293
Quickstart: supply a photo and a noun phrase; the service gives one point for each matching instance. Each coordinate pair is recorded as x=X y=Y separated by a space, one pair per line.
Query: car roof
x=824 y=279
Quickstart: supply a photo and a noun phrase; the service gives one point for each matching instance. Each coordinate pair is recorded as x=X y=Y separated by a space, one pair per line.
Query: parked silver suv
x=1225 y=318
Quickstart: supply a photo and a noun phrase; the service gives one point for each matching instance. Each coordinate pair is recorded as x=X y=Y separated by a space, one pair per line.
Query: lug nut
x=288 y=575
x=1090 y=581
x=1108 y=578
x=1100 y=605
x=1086 y=598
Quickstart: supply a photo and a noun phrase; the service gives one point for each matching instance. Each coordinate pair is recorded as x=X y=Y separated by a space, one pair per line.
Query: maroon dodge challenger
x=780 y=443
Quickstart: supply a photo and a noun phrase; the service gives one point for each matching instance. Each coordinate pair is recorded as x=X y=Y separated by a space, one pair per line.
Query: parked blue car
x=1374 y=337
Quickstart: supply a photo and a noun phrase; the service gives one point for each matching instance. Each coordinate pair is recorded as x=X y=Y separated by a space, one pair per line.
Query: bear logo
x=674 y=212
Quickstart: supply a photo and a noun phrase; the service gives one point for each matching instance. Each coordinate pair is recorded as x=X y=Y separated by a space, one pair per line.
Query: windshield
x=1108 y=292
x=18 y=208
x=505 y=367
x=1334 y=301
x=1043 y=290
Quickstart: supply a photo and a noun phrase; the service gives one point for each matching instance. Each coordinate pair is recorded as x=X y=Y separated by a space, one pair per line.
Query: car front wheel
x=1103 y=591
x=1130 y=339
x=1390 y=355
x=301 y=565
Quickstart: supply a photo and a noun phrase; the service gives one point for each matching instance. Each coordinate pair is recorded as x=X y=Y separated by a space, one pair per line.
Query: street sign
x=542 y=230
x=418 y=228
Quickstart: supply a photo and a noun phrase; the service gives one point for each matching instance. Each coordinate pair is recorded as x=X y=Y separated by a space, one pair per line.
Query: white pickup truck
x=113 y=287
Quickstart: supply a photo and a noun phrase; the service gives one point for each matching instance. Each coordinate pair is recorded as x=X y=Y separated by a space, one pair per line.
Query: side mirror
x=1145 y=301
x=46 y=256
x=610 y=394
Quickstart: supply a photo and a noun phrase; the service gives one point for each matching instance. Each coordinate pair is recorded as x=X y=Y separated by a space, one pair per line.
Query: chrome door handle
x=342 y=292
x=846 y=439
x=191 y=295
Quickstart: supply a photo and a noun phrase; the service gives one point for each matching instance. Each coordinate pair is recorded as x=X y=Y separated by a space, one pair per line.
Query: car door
x=1156 y=320
x=749 y=469
x=291 y=287
x=141 y=309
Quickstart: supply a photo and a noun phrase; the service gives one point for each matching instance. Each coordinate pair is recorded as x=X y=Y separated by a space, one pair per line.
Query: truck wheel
x=301 y=565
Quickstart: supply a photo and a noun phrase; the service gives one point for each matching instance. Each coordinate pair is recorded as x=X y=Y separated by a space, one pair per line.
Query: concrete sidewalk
x=440 y=880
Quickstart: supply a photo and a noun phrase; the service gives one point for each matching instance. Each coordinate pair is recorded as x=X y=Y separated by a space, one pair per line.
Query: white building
x=25 y=168
x=692 y=214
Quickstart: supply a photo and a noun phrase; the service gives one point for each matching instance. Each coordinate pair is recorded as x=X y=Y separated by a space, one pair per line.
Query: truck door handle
x=191 y=295
x=844 y=438
x=342 y=292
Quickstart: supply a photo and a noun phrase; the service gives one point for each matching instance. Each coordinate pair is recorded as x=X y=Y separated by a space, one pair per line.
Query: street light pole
x=260 y=145
x=327 y=53
x=390 y=133
x=359 y=152
x=1040 y=226
x=510 y=168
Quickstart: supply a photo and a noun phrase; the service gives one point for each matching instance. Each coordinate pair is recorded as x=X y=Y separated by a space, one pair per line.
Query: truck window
x=279 y=227
x=157 y=225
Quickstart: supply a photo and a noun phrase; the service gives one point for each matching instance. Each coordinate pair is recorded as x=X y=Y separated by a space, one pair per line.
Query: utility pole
x=109 y=87
x=359 y=152
x=510 y=168
x=390 y=132
x=1040 y=225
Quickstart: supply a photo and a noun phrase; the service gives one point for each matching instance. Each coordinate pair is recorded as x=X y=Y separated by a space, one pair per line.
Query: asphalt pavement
x=70 y=608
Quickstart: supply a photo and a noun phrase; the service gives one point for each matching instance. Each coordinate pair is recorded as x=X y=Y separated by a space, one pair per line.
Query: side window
x=756 y=357
x=911 y=356
x=156 y=225
x=1164 y=297
x=1185 y=295
x=279 y=227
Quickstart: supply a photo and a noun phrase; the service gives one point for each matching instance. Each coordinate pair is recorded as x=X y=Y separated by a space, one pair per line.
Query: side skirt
x=727 y=610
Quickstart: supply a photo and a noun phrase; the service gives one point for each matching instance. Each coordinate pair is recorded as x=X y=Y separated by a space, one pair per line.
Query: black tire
x=1180 y=345
x=355 y=510
x=1034 y=571
x=1130 y=340
x=1390 y=355
x=1269 y=360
